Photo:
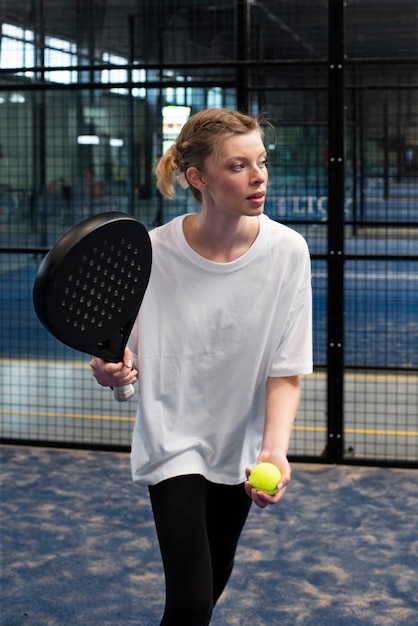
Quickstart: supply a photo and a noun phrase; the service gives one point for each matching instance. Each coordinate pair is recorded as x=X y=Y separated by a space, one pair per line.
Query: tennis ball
x=265 y=477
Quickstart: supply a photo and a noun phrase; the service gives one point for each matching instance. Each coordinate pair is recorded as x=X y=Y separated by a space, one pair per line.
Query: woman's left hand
x=260 y=498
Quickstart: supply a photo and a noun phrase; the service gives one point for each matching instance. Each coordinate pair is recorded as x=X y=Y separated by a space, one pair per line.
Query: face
x=235 y=177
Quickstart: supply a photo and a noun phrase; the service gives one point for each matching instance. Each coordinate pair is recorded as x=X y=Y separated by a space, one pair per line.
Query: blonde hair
x=197 y=140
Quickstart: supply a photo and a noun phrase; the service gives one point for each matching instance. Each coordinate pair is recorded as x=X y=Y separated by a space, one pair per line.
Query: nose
x=259 y=174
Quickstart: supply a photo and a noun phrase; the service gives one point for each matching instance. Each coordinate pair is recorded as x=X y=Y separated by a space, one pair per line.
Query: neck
x=221 y=242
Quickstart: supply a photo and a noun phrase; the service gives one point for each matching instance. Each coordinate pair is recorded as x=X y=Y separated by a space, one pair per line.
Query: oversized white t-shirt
x=206 y=339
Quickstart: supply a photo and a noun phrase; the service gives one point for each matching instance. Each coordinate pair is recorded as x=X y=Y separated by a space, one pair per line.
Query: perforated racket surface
x=90 y=286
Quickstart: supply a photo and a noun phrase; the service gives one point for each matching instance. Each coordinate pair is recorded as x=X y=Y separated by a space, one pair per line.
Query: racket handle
x=122 y=394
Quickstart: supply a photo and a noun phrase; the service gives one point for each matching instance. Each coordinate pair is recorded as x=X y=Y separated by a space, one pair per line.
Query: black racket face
x=91 y=284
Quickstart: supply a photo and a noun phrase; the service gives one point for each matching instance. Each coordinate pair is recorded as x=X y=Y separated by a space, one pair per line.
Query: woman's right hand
x=115 y=374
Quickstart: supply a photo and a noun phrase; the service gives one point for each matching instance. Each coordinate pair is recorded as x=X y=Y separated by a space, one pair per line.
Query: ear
x=195 y=178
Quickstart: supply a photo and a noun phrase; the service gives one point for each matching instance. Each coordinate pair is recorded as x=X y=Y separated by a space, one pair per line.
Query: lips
x=259 y=195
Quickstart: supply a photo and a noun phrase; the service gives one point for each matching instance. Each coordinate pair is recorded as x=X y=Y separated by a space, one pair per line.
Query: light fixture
x=17 y=98
x=88 y=140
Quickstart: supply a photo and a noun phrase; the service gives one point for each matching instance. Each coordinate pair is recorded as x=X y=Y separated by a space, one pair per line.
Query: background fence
x=90 y=95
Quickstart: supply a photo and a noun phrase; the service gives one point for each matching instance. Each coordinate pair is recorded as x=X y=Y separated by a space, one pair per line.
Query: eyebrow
x=244 y=158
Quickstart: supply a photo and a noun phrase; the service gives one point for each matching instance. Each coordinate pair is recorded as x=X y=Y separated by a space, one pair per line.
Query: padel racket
x=90 y=286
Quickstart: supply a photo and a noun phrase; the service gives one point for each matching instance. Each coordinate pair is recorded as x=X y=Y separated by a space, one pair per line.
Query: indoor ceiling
x=281 y=29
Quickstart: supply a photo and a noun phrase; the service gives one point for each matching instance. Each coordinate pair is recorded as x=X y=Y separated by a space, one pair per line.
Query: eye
x=263 y=163
x=238 y=166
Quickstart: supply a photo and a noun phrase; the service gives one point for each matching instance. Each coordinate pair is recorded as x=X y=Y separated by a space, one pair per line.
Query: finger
x=248 y=489
x=129 y=379
x=128 y=363
x=259 y=499
x=263 y=499
x=128 y=358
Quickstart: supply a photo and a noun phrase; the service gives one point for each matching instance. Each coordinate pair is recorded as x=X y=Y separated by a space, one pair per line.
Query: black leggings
x=198 y=526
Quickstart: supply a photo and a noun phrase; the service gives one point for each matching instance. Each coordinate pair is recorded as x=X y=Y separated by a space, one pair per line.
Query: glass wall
x=92 y=92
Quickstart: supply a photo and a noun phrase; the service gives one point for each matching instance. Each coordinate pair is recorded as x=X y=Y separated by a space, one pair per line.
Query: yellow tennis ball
x=265 y=477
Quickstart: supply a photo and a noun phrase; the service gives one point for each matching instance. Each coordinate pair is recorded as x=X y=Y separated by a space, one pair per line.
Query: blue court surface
x=79 y=547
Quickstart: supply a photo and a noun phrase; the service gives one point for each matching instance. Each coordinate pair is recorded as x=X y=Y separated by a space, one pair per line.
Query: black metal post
x=336 y=197
x=243 y=52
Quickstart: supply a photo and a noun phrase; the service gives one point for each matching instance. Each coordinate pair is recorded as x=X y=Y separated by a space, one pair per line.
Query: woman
x=223 y=334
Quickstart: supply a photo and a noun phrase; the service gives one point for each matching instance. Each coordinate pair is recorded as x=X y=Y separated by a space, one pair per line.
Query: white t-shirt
x=206 y=339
